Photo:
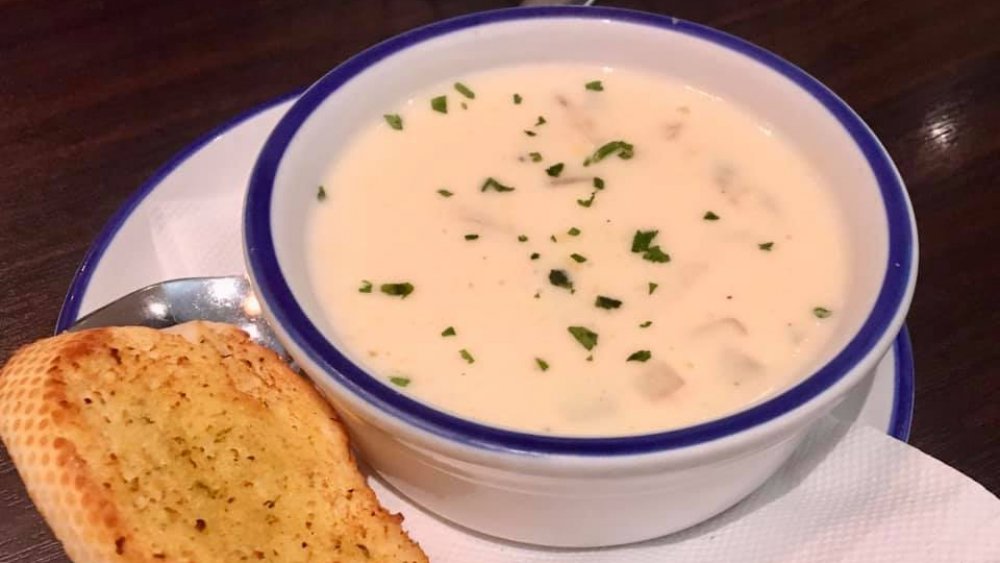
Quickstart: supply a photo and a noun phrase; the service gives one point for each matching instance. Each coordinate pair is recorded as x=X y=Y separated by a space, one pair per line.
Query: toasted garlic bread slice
x=187 y=445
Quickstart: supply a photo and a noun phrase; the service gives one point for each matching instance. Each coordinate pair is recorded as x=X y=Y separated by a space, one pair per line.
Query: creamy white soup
x=576 y=250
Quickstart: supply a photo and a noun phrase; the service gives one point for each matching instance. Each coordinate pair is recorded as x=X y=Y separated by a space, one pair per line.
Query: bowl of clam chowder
x=578 y=276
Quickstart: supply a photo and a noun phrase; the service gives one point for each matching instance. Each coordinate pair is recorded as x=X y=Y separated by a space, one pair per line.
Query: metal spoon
x=225 y=299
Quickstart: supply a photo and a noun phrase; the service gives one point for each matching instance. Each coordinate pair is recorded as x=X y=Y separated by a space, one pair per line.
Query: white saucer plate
x=185 y=222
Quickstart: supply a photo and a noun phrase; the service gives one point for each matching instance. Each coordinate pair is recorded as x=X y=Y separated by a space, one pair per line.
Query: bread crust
x=69 y=409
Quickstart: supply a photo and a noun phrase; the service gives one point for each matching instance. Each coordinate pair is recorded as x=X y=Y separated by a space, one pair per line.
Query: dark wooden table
x=95 y=94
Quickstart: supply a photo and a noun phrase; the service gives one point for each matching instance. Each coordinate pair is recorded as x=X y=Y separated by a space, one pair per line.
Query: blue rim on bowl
x=274 y=290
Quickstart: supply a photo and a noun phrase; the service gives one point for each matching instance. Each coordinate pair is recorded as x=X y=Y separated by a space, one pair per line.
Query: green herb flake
x=710 y=216
x=598 y=183
x=587 y=202
x=640 y=356
x=542 y=364
x=465 y=91
x=553 y=238
x=624 y=151
x=445 y=193
x=590 y=358
x=573 y=232
x=401 y=289
x=655 y=254
x=594 y=85
x=450 y=331
x=578 y=258
x=535 y=256
x=530 y=133
x=560 y=278
x=541 y=121
x=535 y=156
x=394 y=121
x=642 y=239
x=766 y=246
x=471 y=236
x=466 y=356
x=366 y=287
x=586 y=337
x=400 y=381
x=652 y=287
x=522 y=238
x=646 y=324
x=492 y=184
x=517 y=99
x=821 y=312
x=320 y=193
x=603 y=302
x=555 y=170
x=440 y=104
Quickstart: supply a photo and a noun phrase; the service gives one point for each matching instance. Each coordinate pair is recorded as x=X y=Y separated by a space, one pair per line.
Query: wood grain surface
x=94 y=95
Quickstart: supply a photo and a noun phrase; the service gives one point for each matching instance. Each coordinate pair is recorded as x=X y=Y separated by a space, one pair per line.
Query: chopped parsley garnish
x=598 y=183
x=491 y=183
x=394 y=121
x=466 y=356
x=400 y=381
x=535 y=256
x=366 y=287
x=652 y=287
x=822 y=312
x=560 y=278
x=655 y=254
x=555 y=170
x=450 y=331
x=603 y=302
x=440 y=104
x=640 y=356
x=594 y=85
x=553 y=238
x=320 y=193
x=641 y=243
x=573 y=232
x=522 y=238
x=465 y=91
x=579 y=259
x=642 y=239
x=586 y=337
x=529 y=133
x=587 y=202
x=541 y=121
x=646 y=324
x=624 y=151
x=517 y=99
x=766 y=246
x=397 y=289
x=471 y=236
x=710 y=216
x=535 y=156
x=542 y=364
x=445 y=193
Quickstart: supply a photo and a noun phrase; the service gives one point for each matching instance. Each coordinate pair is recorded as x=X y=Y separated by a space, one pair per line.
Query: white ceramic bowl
x=566 y=491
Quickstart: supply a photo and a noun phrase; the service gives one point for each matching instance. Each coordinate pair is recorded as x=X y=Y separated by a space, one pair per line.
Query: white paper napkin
x=849 y=494
x=208 y=223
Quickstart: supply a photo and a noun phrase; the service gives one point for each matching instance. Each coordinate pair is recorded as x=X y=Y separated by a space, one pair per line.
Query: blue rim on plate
x=70 y=310
x=274 y=290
